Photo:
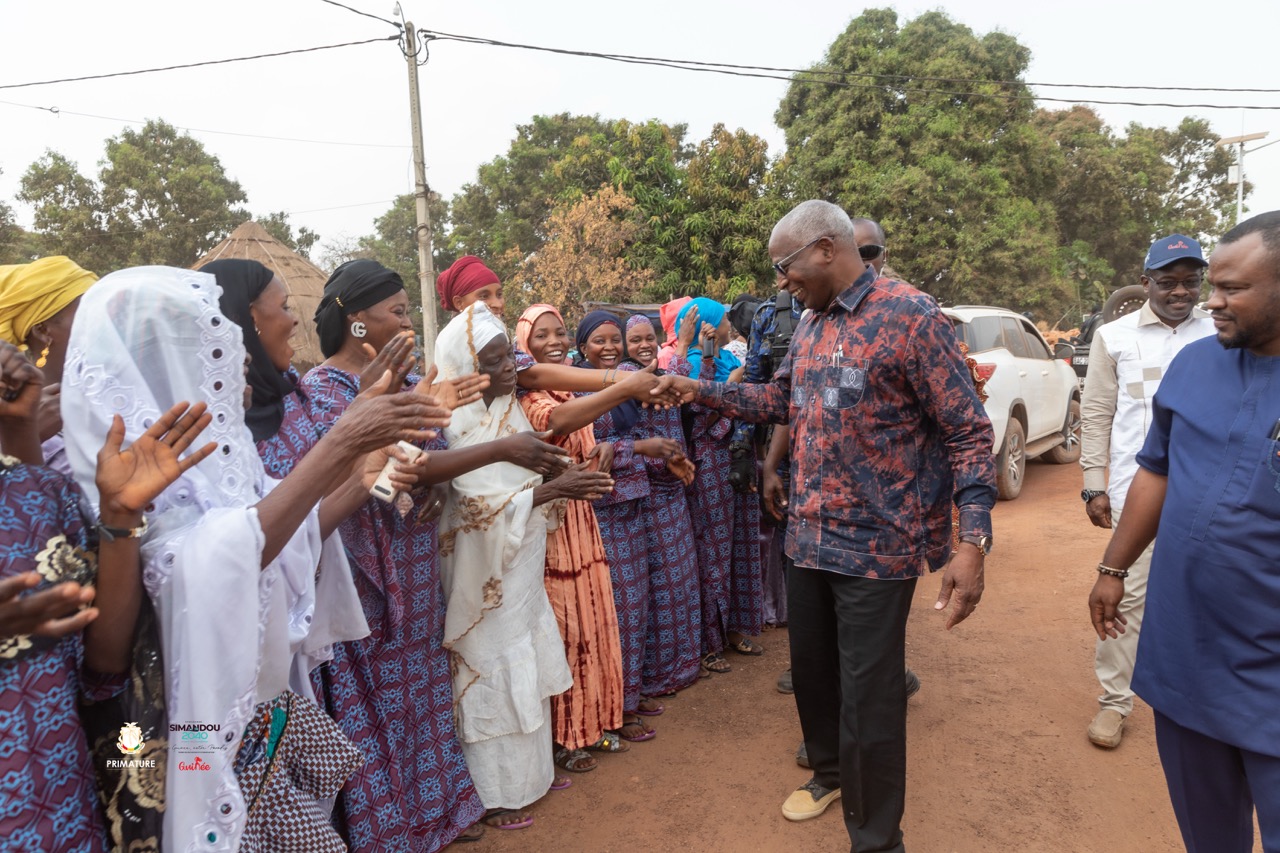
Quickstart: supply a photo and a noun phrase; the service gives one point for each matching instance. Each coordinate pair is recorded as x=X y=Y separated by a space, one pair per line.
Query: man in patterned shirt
x=886 y=429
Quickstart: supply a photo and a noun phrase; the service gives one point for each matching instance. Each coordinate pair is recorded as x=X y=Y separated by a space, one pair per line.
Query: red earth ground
x=997 y=754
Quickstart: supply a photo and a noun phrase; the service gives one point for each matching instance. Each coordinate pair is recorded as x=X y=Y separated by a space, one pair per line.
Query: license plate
x=1082 y=360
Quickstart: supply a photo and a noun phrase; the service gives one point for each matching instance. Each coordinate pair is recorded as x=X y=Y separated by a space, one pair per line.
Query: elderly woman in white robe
x=507 y=652
x=249 y=587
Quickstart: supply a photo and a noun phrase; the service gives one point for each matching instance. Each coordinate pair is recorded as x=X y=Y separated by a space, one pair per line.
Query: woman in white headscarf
x=508 y=657
x=230 y=561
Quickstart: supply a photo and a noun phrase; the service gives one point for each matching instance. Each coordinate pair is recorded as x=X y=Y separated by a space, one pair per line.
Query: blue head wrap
x=625 y=414
x=710 y=312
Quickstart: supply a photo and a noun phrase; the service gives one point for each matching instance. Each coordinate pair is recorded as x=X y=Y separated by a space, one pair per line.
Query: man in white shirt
x=1127 y=360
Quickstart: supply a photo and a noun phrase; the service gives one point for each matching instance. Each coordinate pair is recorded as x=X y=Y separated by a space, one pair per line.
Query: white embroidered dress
x=508 y=657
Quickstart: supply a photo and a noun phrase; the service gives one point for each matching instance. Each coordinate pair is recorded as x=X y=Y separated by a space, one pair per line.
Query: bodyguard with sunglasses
x=886 y=430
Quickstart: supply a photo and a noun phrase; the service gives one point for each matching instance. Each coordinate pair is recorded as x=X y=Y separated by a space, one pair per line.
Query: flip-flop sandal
x=497 y=813
x=655 y=709
x=649 y=734
x=562 y=782
x=746 y=647
x=569 y=759
x=609 y=742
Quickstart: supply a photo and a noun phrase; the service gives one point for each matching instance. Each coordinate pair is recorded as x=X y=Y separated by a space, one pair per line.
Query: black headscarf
x=354 y=286
x=626 y=413
x=242 y=282
x=743 y=311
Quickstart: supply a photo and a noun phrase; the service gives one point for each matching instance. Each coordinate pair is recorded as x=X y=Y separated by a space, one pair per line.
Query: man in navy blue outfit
x=1208 y=491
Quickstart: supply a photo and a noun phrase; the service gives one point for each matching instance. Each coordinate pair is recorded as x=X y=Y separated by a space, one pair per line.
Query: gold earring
x=44 y=358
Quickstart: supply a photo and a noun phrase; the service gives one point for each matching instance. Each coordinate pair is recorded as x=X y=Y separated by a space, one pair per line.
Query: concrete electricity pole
x=1237 y=175
x=426 y=266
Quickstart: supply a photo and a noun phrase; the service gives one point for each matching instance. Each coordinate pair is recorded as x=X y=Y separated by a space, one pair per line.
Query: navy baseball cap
x=1175 y=247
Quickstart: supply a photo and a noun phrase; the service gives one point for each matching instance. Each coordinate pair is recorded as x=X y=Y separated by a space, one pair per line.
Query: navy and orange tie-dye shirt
x=886 y=432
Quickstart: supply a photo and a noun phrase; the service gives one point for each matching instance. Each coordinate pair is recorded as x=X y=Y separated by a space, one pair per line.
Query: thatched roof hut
x=304 y=280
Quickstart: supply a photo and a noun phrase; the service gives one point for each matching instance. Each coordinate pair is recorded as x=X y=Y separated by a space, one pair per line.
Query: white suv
x=1033 y=398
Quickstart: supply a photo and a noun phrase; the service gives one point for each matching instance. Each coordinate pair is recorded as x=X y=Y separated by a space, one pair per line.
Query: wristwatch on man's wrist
x=982 y=543
x=1087 y=495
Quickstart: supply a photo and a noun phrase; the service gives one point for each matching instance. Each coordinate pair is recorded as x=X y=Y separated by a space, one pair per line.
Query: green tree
x=557 y=160
x=68 y=218
x=733 y=205
x=278 y=226
x=17 y=245
x=160 y=198
x=1115 y=194
x=582 y=258
x=956 y=174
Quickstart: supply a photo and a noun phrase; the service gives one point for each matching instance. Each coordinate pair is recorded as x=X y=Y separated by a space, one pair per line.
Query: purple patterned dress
x=726 y=525
x=391 y=693
x=621 y=517
x=47 y=797
x=672 y=650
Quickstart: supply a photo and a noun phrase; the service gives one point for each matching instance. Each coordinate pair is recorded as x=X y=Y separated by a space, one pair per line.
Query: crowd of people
x=240 y=647
x=381 y=608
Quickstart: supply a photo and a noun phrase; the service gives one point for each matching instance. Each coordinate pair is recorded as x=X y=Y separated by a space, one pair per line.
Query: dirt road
x=998 y=758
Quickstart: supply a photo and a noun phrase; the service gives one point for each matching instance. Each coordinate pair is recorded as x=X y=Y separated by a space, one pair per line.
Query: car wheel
x=1069 y=450
x=1126 y=300
x=1011 y=462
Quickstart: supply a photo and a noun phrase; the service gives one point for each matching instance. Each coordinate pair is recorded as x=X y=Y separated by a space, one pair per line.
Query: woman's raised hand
x=659 y=448
x=602 y=458
x=52 y=612
x=683 y=467
x=21 y=383
x=397 y=356
x=376 y=418
x=688 y=328
x=453 y=393
x=530 y=450
x=639 y=384
x=579 y=483
x=130 y=478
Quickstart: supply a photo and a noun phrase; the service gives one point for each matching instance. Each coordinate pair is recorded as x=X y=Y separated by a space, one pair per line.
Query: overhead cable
x=196 y=64
x=840 y=79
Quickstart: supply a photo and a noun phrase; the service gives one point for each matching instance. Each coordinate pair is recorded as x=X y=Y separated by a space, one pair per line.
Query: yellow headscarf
x=32 y=293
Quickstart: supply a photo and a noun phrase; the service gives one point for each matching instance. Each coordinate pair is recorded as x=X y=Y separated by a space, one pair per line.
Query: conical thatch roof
x=304 y=280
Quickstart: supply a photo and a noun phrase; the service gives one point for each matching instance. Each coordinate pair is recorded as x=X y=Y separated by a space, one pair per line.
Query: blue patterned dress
x=391 y=693
x=621 y=517
x=673 y=643
x=47 y=798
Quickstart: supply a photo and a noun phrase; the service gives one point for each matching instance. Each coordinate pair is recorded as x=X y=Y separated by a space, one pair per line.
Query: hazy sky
x=474 y=96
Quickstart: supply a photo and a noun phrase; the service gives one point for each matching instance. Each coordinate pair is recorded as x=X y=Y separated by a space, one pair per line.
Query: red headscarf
x=524 y=326
x=467 y=275
x=668 y=314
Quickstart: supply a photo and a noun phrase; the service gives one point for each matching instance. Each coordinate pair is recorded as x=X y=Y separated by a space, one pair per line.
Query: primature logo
x=130 y=742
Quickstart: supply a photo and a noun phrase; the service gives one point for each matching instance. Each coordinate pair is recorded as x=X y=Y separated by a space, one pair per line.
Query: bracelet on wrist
x=110 y=534
x=1115 y=573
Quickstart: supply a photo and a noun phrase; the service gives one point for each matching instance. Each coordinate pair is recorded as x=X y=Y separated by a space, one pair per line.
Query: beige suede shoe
x=808 y=801
x=1107 y=729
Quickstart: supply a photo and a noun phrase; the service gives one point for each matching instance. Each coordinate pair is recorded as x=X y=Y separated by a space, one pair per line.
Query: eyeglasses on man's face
x=780 y=267
x=870 y=251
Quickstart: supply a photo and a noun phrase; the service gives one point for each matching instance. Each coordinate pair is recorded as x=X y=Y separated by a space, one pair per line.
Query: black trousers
x=848 y=652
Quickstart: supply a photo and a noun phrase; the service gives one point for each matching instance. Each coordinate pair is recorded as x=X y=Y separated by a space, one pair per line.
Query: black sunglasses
x=870 y=251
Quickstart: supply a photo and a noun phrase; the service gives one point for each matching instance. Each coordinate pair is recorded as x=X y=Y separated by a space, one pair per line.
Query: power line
x=839 y=79
x=195 y=64
x=58 y=111
x=358 y=12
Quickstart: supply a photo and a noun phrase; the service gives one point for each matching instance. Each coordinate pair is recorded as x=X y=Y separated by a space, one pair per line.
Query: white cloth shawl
x=507 y=653
x=233 y=633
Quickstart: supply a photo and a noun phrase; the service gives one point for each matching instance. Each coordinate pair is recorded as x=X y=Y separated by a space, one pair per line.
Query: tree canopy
x=983 y=196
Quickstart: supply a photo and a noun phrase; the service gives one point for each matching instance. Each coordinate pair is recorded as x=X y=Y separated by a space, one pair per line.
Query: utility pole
x=1237 y=175
x=426 y=266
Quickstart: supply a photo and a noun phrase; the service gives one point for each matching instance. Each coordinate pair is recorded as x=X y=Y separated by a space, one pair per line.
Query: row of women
x=232 y=645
